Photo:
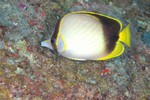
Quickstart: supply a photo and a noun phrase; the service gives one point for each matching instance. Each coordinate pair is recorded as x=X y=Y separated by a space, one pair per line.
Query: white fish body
x=88 y=36
x=83 y=36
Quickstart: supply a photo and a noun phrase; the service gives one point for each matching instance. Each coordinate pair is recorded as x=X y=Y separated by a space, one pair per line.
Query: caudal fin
x=125 y=36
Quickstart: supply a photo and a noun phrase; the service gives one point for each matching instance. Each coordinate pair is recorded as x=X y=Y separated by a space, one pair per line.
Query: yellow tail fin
x=124 y=35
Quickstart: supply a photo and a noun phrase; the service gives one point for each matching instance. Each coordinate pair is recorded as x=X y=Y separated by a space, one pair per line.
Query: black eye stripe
x=52 y=40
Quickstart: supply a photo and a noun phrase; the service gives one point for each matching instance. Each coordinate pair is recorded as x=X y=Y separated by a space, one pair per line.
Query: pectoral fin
x=61 y=44
x=118 y=50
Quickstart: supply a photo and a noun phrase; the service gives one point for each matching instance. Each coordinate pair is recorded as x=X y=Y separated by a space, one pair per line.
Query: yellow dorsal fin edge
x=86 y=12
x=124 y=35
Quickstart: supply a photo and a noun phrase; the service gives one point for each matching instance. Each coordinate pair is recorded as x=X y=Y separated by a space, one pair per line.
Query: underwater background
x=31 y=72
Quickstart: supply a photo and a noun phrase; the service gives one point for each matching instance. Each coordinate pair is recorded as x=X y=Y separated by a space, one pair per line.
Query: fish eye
x=52 y=40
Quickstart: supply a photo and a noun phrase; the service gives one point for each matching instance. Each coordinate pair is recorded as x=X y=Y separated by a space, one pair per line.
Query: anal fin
x=118 y=50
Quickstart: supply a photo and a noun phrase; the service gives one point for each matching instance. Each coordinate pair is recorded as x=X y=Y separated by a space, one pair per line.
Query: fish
x=85 y=35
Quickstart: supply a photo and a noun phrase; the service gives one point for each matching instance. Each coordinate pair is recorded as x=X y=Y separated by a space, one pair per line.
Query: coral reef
x=31 y=72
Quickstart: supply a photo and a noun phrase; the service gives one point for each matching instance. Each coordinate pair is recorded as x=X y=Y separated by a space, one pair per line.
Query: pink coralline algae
x=31 y=72
x=22 y=6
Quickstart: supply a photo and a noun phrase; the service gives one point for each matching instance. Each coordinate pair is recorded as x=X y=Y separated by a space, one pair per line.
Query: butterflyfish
x=86 y=35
